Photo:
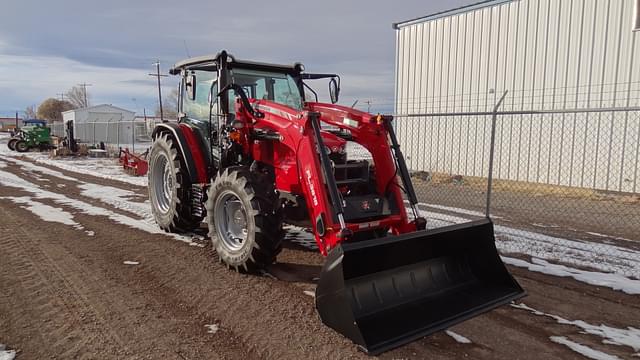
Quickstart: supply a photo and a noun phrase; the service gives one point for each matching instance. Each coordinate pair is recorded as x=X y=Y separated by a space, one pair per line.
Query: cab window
x=198 y=109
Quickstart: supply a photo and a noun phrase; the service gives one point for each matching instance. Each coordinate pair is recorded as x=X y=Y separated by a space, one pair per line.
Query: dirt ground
x=67 y=294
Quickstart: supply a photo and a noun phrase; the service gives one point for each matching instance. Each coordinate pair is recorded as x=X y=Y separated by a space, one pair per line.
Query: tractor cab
x=207 y=103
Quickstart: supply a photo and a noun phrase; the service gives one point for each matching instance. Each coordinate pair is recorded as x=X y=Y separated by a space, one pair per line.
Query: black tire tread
x=268 y=220
x=183 y=220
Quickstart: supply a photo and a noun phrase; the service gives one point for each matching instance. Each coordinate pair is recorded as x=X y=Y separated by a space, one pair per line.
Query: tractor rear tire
x=12 y=144
x=245 y=223
x=21 y=146
x=169 y=187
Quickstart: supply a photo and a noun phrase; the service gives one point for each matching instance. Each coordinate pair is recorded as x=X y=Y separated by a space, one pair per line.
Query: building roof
x=9 y=119
x=450 y=12
x=97 y=106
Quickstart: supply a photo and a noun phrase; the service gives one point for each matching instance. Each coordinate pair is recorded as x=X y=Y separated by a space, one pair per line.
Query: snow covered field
x=612 y=264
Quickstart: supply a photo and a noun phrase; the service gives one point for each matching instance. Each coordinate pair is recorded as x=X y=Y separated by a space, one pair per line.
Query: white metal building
x=548 y=54
x=105 y=122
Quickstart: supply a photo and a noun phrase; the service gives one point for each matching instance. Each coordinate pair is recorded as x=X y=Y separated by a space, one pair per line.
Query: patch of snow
x=582 y=349
x=456 y=210
x=606 y=257
x=597 y=234
x=45 y=212
x=212 y=329
x=614 y=336
x=545 y=225
x=61 y=185
x=29 y=166
x=118 y=198
x=127 y=262
x=109 y=169
x=457 y=337
x=90 y=233
x=11 y=180
x=310 y=293
x=7 y=354
x=610 y=280
x=41 y=179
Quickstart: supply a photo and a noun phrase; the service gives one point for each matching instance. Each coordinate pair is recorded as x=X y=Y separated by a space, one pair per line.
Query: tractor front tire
x=169 y=187
x=12 y=144
x=244 y=221
x=21 y=146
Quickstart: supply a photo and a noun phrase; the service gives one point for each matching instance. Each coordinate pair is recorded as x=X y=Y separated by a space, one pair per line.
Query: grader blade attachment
x=386 y=292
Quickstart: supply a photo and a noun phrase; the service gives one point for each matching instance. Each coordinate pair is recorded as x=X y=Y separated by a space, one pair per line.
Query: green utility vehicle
x=31 y=137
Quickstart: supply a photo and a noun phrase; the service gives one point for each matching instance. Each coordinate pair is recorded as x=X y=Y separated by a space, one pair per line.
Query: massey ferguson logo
x=365 y=205
x=312 y=189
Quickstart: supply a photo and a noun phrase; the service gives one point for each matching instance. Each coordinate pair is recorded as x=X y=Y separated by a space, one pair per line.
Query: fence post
x=492 y=153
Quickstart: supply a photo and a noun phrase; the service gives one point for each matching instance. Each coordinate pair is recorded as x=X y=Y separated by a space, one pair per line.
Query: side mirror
x=190 y=86
x=334 y=90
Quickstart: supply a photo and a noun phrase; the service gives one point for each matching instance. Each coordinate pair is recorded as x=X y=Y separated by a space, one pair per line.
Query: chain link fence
x=560 y=184
x=134 y=135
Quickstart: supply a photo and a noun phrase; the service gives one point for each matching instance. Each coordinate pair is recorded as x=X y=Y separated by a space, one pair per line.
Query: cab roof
x=211 y=62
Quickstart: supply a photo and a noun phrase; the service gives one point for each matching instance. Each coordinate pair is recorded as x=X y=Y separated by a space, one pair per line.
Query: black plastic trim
x=176 y=132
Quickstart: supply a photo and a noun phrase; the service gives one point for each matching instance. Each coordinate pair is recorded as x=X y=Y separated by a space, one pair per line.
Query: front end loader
x=253 y=150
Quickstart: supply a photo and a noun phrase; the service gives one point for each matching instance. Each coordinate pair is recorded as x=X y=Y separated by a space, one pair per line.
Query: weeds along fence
x=560 y=184
x=134 y=135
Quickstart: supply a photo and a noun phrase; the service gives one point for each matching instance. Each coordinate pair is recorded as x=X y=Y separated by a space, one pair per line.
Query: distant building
x=8 y=123
x=102 y=123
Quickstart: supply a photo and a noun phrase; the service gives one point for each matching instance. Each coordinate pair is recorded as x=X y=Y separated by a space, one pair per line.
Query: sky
x=46 y=47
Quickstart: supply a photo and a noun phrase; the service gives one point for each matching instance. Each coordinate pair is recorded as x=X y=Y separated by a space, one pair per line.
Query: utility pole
x=84 y=92
x=61 y=96
x=158 y=76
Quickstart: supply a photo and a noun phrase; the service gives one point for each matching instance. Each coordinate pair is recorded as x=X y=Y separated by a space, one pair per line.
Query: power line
x=84 y=91
x=158 y=76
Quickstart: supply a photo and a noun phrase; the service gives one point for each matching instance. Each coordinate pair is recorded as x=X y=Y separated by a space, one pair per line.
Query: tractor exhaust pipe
x=386 y=292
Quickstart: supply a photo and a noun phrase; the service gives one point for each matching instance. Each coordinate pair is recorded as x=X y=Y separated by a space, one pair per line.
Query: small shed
x=106 y=123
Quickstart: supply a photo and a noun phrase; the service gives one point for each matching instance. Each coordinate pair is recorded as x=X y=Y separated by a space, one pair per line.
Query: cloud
x=104 y=42
x=34 y=78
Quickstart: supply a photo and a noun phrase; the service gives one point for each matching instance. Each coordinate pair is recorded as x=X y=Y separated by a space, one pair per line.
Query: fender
x=192 y=147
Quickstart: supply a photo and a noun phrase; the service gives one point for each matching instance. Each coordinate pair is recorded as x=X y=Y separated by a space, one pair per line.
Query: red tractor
x=252 y=150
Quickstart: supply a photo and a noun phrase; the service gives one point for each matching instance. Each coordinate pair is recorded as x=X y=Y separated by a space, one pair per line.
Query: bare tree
x=169 y=106
x=51 y=109
x=77 y=96
x=30 y=112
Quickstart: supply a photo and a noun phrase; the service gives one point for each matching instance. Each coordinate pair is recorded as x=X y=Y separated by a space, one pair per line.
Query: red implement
x=132 y=163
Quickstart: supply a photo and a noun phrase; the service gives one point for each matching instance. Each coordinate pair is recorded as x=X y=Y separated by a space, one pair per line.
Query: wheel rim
x=21 y=146
x=163 y=183
x=231 y=220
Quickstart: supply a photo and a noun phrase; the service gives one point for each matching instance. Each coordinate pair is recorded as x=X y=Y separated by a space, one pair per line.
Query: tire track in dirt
x=64 y=313
x=263 y=334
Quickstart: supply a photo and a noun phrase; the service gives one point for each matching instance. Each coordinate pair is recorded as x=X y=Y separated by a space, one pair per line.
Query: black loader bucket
x=386 y=292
